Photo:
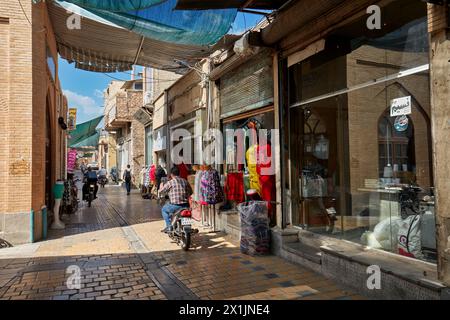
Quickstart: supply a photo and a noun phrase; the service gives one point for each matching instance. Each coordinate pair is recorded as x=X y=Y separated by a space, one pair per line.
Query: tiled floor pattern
x=111 y=268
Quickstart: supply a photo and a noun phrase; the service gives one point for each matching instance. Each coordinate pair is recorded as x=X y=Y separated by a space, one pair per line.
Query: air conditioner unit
x=148 y=97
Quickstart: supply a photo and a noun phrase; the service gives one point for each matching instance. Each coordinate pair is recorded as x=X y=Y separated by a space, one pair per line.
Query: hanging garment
x=152 y=174
x=184 y=172
x=266 y=175
x=251 y=157
x=211 y=190
x=234 y=187
x=197 y=186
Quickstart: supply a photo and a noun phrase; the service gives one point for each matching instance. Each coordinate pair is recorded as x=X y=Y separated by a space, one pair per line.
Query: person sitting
x=179 y=191
x=90 y=177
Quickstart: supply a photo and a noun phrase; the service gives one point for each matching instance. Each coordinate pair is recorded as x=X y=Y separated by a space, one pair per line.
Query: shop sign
x=401 y=107
x=72 y=121
x=159 y=142
x=401 y=123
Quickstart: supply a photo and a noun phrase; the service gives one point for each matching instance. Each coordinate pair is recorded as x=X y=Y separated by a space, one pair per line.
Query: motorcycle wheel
x=186 y=241
x=90 y=200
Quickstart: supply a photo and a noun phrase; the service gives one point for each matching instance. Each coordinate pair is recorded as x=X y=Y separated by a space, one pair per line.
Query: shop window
x=352 y=160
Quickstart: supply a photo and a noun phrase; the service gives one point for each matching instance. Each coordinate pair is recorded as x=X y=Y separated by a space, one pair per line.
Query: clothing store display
x=184 y=171
x=211 y=191
x=234 y=187
x=251 y=157
x=152 y=174
x=196 y=209
x=197 y=185
x=255 y=232
x=266 y=175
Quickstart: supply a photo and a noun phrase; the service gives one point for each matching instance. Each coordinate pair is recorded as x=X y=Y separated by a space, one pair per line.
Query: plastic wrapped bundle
x=255 y=232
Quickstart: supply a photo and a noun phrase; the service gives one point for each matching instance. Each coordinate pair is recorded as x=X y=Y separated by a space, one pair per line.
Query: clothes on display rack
x=184 y=171
x=197 y=185
x=159 y=174
x=152 y=174
x=234 y=187
x=252 y=159
x=211 y=191
x=266 y=175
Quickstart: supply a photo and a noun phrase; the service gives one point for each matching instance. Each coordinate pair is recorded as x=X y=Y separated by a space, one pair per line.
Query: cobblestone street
x=118 y=246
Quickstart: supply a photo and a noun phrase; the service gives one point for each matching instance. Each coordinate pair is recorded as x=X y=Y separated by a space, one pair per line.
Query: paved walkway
x=120 y=253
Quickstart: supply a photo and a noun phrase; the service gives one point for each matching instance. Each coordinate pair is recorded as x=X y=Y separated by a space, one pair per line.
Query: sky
x=84 y=89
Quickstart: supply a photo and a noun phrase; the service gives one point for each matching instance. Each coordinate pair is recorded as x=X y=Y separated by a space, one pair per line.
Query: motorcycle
x=182 y=229
x=181 y=225
x=90 y=196
x=103 y=181
x=114 y=176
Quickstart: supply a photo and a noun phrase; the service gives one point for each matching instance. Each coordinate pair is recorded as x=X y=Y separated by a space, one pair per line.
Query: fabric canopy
x=101 y=46
x=161 y=22
x=116 y=6
x=90 y=142
x=84 y=131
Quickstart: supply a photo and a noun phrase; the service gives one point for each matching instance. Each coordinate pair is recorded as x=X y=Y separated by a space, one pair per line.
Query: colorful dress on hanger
x=211 y=190
x=266 y=175
x=252 y=158
x=234 y=187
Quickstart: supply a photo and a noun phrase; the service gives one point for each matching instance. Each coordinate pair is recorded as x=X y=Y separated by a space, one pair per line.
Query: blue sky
x=84 y=89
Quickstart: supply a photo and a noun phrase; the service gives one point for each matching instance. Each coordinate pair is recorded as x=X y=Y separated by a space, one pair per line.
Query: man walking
x=179 y=191
x=127 y=177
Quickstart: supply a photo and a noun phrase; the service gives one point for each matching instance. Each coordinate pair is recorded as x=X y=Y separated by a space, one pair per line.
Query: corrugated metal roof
x=105 y=48
x=224 y=4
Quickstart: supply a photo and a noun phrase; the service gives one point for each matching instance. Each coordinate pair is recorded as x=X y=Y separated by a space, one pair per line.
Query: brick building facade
x=32 y=148
x=122 y=100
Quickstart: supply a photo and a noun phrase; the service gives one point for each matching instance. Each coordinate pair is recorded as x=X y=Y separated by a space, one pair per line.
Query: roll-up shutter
x=248 y=87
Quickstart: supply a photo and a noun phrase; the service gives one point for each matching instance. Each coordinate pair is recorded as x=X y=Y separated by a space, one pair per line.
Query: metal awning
x=225 y=4
x=101 y=47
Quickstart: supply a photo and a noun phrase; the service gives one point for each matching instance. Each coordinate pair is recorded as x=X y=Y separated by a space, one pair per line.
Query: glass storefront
x=360 y=158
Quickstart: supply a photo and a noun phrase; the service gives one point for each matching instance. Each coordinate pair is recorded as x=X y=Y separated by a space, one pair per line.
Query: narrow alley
x=121 y=253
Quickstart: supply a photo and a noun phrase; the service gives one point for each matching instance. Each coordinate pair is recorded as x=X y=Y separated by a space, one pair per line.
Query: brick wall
x=23 y=112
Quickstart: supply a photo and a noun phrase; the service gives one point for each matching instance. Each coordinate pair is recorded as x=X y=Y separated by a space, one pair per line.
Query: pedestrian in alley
x=127 y=177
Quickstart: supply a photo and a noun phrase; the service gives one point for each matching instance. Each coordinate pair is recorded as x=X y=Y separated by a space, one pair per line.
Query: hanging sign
x=401 y=123
x=72 y=121
x=401 y=107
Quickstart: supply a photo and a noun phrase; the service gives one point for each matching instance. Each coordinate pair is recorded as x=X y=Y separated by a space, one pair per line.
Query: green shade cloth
x=161 y=22
x=90 y=142
x=84 y=131
x=115 y=5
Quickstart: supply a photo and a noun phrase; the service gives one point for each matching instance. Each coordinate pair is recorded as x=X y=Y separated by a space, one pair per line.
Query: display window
x=248 y=140
x=359 y=139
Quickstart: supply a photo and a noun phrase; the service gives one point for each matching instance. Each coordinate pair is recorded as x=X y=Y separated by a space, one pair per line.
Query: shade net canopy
x=161 y=22
x=84 y=131
x=90 y=142
x=115 y=5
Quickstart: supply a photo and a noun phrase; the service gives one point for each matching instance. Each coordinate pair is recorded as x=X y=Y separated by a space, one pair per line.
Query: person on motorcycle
x=102 y=176
x=90 y=177
x=179 y=191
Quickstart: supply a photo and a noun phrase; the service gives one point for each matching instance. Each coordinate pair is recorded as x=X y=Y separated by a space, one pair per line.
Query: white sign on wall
x=401 y=106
